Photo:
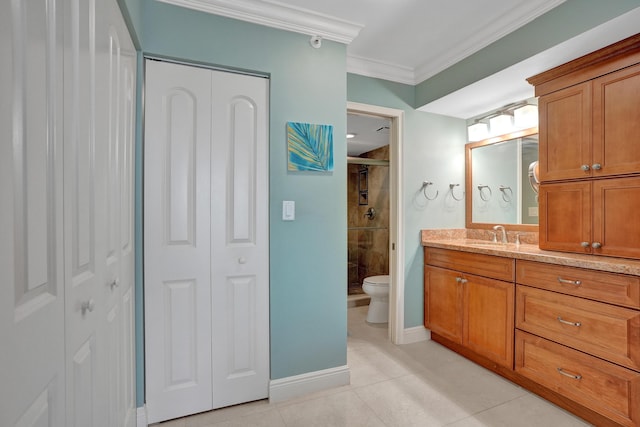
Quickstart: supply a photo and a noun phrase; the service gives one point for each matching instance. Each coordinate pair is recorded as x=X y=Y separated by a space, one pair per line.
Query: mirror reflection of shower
x=368 y=201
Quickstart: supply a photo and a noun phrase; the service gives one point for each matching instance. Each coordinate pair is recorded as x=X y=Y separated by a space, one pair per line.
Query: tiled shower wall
x=368 y=240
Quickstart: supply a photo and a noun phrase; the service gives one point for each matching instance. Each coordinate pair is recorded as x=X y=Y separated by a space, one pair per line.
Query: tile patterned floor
x=421 y=384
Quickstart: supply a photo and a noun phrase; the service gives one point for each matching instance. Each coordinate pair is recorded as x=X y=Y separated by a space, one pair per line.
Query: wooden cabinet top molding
x=603 y=61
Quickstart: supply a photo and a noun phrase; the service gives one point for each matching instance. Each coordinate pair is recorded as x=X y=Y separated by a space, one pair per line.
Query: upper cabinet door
x=616 y=123
x=565 y=133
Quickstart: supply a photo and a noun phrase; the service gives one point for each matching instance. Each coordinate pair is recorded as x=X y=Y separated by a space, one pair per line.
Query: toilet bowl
x=377 y=287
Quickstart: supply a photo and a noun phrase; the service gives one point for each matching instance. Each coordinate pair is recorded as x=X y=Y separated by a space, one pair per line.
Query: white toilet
x=377 y=287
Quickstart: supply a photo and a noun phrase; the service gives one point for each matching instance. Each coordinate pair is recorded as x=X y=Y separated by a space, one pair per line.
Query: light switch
x=533 y=211
x=288 y=210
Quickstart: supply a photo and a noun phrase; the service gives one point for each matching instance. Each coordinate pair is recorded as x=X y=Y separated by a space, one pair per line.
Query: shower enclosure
x=368 y=217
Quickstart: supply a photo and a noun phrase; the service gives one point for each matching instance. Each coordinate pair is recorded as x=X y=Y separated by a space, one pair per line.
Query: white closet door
x=85 y=218
x=32 y=379
x=115 y=86
x=99 y=113
x=240 y=243
x=206 y=240
x=177 y=240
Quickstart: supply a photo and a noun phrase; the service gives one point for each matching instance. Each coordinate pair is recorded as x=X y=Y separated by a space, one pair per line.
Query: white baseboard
x=299 y=385
x=415 y=334
x=141 y=420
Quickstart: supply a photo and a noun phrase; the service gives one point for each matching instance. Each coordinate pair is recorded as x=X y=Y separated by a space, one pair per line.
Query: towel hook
x=482 y=194
x=506 y=197
x=425 y=184
x=451 y=187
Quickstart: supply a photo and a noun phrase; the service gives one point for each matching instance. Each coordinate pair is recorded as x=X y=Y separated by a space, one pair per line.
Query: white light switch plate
x=288 y=210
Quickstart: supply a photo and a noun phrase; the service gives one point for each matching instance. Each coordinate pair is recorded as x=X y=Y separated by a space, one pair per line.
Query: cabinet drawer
x=598 y=285
x=480 y=264
x=602 y=330
x=606 y=388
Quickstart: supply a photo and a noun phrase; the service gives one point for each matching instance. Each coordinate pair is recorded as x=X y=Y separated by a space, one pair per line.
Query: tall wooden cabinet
x=590 y=152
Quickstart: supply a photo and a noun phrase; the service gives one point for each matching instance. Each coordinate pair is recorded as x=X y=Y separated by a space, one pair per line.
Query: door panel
x=176 y=240
x=565 y=136
x=240 y=252
x=443 y=299
x=616 y=122
x=615 y=203
x=31 y=227
x=565 y=216
x=84 y=219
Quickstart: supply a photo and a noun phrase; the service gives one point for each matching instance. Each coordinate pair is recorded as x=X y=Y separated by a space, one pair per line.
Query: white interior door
x=206 y=247
x=32 y=375
x=66 y=234
x=99 y=70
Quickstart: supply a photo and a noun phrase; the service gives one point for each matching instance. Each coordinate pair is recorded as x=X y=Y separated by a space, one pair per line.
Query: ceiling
x=370 y=132
x=408 y=41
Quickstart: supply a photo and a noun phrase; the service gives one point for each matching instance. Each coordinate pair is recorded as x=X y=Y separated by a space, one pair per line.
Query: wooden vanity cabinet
x=578 y=335
x=594 y=217
x=466 y=307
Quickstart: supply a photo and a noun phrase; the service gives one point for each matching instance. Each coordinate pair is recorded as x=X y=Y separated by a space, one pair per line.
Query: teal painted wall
x=433 y=150
x=307 y=256
x=571 y=18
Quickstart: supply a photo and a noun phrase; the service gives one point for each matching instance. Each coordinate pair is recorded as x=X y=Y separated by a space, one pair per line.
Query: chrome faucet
x=501 y=229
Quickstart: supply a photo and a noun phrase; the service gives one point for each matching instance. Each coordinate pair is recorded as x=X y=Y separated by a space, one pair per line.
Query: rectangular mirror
x=498 y=190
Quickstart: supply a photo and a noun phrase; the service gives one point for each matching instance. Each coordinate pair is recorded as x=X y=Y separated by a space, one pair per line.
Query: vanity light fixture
x=351 y=135
x=478 y=131
x=510 y=118
x=501 y=124
x=525 y=117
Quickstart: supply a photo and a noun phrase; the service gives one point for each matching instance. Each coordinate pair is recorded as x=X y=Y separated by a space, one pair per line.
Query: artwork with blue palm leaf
x=310 y=147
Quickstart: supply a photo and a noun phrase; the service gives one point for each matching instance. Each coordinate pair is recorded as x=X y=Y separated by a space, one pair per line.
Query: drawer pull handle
x=566 y=374
x=566 y=322
x=569 y=282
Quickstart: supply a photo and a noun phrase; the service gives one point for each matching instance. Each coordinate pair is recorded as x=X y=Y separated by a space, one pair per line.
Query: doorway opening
x=393 y=119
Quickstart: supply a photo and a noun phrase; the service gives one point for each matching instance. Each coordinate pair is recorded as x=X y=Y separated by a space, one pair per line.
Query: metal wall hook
x=506 y=197
x=483 y=194
x=425 y=184
x=451 y=187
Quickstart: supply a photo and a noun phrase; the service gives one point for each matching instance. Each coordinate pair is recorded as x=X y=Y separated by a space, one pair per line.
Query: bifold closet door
x=32 y=374
x=67 y=111
x=206 y=239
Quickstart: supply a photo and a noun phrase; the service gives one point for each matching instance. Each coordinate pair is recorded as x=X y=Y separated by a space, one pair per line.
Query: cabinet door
x=616 y=122
x=565 y=217
x=489 y=318
x=616 y=228
x=565 y=133
x=443 y=302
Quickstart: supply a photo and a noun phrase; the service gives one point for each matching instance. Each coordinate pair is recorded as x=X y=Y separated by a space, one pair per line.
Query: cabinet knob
x=242 y=260
x=596 y=166
x=87 y=306
x=114 y=284
x=585 y=244
x=585 y=167
x=461 y=280
x=596 y=245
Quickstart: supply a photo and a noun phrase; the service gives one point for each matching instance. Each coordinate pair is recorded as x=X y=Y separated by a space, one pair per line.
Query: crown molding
x=276 y=15
x=521 y=14
x=380 y=70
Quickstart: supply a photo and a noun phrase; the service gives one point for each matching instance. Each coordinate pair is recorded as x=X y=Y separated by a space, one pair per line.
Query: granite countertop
x=532 y=252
